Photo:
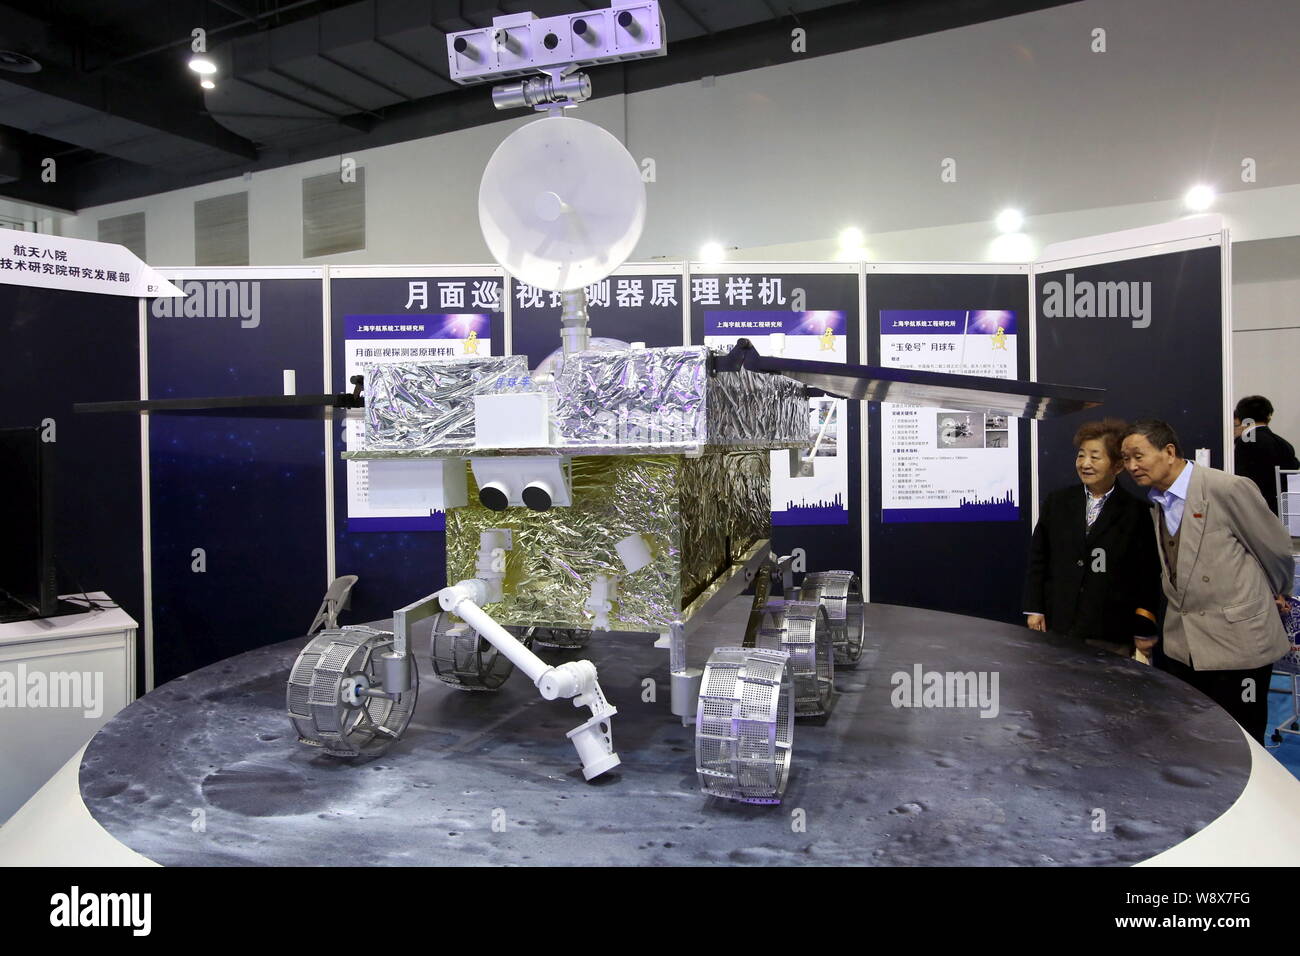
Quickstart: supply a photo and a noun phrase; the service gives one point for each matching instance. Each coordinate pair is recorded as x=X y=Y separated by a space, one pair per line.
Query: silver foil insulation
x=634 y=401
x=416 y=406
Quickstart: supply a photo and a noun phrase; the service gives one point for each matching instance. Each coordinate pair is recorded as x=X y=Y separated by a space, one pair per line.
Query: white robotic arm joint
x=575 y=679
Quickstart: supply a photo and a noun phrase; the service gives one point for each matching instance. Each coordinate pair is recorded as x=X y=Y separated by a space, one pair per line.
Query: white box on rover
x=512 y=420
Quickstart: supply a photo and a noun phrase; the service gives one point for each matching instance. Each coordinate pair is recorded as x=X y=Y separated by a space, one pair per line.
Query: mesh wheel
x=464 y=660
x=744 y=724
x=840 y=592
x=325 y=694
x=565 y=638
x=803 y=630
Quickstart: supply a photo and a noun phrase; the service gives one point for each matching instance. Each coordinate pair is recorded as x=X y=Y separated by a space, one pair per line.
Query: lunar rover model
x=626 y=492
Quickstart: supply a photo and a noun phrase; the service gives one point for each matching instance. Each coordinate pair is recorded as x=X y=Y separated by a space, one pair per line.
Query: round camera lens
x=493 y=498
x=537 y=498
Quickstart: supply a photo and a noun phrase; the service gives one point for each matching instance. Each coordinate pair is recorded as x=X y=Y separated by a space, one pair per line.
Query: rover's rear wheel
x=803 y=630
x=466 y=661
x=327 y=694
x=562 y=638
x=840 y=592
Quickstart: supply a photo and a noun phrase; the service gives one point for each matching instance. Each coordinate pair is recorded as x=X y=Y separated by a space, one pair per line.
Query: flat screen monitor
x=27 y=575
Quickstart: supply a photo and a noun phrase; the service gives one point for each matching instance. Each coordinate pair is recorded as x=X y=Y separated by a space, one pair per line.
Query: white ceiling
x=1185 y=90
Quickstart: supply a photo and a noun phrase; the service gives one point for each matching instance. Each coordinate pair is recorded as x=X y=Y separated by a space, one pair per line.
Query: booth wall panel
x=60 y=348
x=826 y=546
x=1172 y=368
x=966 y=567
x=248 y=491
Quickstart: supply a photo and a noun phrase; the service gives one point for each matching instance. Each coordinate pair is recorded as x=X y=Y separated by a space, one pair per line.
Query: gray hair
x=1157 y=432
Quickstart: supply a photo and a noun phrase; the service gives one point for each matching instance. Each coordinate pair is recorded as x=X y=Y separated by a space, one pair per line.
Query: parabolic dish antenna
x=561 y=204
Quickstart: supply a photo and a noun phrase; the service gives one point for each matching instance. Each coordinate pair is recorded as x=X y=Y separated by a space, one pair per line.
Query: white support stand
x=604 y=592
x=593 y=739
x=685 y=686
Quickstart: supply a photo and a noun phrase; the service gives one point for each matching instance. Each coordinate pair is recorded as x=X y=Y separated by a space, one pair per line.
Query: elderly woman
x=1093 y=569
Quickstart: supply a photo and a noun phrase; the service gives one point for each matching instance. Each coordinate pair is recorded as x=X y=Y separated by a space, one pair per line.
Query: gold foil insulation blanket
x=726 y=506
x=691 y=512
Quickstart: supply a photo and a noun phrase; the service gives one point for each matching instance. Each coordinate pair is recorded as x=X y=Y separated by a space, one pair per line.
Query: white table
x=61 y=679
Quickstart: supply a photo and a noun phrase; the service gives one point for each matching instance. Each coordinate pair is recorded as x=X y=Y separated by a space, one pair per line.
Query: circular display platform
x=1088 y=759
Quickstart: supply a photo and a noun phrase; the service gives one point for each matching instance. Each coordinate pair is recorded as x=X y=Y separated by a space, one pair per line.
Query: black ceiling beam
x=246 y=16
x=414 y=61
x=32 y=151
x=358 y=121
x=831 y=30
x=140 y=105
x=174 y=109
x=313 y=88
x=184 y=42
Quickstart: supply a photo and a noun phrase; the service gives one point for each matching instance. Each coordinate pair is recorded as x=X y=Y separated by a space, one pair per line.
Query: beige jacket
x=1234 y=555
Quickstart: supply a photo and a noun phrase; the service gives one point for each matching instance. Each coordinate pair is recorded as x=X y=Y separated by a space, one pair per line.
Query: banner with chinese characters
x=375 y=312
x=948 y=465
x=816 y=513
x=638 y=303
x=946 y=520
x=398 y=338
x=77 y=265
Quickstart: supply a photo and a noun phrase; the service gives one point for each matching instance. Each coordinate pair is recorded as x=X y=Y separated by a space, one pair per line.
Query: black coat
x=1066 y=582
x=1257 y=459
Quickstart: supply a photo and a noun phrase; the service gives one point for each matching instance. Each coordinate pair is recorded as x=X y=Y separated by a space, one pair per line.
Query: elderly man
x=1226 y=559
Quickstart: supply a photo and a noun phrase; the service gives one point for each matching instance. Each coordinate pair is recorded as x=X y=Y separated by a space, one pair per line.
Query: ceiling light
x=207 y=84
x=1010 y=220
x=1199 y=198
x=712 y=252
x=202 y=65
x=851 y=238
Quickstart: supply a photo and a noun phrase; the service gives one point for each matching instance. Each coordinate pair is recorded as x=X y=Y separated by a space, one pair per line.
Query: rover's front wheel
x=333 y=693
x=744 y=724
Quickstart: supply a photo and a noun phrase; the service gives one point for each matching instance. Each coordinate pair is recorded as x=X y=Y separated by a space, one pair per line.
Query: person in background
x=1257 y=451
x=1093 y=570
x=1226 y=571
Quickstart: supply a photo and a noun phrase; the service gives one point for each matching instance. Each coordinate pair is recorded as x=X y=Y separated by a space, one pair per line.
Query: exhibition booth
x=215 y=530
x=759 y=528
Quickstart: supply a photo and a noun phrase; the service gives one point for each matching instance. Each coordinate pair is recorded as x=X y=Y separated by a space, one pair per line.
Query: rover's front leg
x=594 y=738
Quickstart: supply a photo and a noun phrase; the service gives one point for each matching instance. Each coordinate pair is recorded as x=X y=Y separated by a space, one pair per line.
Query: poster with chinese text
x=939 y=464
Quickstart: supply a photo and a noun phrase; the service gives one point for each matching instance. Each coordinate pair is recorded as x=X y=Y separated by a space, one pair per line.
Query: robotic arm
x=576 y=680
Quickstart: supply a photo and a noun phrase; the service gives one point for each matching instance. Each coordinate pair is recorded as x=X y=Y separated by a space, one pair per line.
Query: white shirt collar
x=1091 y=497
x=1179 y=488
